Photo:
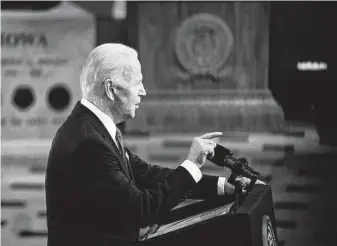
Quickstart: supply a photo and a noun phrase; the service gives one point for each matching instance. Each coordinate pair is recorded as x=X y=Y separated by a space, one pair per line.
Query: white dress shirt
x=188 y=165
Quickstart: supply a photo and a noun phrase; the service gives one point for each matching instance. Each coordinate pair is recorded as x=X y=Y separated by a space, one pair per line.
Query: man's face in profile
x=130 y=89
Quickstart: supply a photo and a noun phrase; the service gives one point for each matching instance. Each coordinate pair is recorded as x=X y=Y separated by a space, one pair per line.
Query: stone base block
x=232 y=111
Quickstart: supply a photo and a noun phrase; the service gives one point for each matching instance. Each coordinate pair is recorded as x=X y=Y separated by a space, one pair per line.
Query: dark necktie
x=119 y=141
x=120 y=144
x=143 y=232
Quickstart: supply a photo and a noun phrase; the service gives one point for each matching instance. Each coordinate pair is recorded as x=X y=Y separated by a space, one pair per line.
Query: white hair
x=102 y=62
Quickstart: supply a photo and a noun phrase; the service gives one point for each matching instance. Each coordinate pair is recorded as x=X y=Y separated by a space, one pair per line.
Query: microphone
x=223 y=157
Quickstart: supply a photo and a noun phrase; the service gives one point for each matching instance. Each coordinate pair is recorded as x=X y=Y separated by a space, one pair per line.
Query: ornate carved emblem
x=203 y=44
x=268 y=233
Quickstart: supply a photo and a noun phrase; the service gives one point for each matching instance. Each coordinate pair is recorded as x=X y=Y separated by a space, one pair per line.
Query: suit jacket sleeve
x=104 y=187
x=147 y=174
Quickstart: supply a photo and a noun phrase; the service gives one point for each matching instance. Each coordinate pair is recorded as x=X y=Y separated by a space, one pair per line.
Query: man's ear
x=109 y=90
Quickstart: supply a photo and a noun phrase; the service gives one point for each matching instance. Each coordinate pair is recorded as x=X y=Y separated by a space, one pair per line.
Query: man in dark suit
x=97 y=191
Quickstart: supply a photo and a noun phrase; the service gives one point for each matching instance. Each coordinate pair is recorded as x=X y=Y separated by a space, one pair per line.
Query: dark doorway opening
x=299 y=32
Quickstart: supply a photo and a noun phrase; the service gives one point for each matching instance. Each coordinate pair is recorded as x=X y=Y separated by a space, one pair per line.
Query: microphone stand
x=238 y=197
x=240 y=167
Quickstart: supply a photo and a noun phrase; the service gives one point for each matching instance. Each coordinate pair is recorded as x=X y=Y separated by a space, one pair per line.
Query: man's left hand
x=230 y=189
x=245 y=182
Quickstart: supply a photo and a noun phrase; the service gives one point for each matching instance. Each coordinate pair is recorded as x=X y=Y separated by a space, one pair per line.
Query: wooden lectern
x=220 y=222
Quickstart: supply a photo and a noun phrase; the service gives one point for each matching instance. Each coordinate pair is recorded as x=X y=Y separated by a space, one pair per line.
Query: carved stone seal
x=203 y=44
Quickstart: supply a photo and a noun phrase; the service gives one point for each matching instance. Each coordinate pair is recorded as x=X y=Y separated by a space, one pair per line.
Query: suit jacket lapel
x=100 y=128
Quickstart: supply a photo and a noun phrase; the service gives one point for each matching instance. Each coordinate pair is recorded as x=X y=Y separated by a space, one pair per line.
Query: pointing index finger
x=211 y=135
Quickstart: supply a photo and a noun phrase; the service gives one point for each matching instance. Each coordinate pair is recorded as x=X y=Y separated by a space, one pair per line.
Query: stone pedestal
x=208 y=111
x=42 y=54
x=205 y=68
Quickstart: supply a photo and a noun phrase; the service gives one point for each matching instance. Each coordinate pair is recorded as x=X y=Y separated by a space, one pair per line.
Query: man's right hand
x=202 y=147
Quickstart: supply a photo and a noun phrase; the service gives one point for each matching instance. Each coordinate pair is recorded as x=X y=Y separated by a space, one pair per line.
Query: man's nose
x=142 y=91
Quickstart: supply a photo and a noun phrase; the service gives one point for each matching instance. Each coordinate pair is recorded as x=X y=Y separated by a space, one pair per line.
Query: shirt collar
x=105 y=119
